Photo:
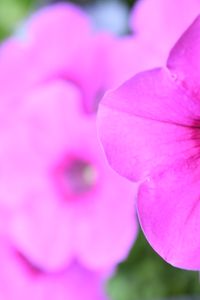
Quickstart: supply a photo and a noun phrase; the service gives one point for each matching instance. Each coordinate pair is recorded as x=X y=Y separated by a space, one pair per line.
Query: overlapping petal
x=135 y=128
x=183 y=60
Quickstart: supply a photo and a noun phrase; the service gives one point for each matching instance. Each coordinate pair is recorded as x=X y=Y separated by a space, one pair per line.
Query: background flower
x=66 y=201
x=20 y=279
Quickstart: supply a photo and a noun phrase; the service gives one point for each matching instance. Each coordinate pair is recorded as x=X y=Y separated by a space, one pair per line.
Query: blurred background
x=144 y=275
x=13 y=11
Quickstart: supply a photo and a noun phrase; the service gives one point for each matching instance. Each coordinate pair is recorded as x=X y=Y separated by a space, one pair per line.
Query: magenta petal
x=137 y=134
x=148 y=132
x=169 y=210
x=184 y=60
x=149 y=128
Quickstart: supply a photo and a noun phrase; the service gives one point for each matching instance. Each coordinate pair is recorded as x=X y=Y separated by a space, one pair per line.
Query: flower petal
x=169 y=210
x=184 y=61
x=144 y=125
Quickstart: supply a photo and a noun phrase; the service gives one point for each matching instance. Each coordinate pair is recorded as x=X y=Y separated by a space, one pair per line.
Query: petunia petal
x=149 y=128
x=184 y=61
x=137 y=134
x=169 y=210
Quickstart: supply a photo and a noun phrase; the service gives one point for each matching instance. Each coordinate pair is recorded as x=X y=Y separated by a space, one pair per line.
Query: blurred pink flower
x=71 y=201
x=160 y=23
x=19 y=279
x=66 y=202
x=150 y=131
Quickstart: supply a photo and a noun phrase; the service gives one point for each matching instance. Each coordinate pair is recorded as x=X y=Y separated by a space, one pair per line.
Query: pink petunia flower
x=60 y=202
x=20 y=279
x=150 y=131
x=161 y=22
x=65 y=201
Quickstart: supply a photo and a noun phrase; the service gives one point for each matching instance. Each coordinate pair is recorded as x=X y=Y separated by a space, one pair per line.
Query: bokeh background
x=144 y=275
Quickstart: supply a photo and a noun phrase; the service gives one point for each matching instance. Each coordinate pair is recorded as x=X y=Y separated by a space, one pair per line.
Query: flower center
x=75 y=177
x=80 y=176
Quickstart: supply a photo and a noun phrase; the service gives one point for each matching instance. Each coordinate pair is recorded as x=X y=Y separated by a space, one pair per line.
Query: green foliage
x=144 y=275
x=11 y=13
x=130 y=2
